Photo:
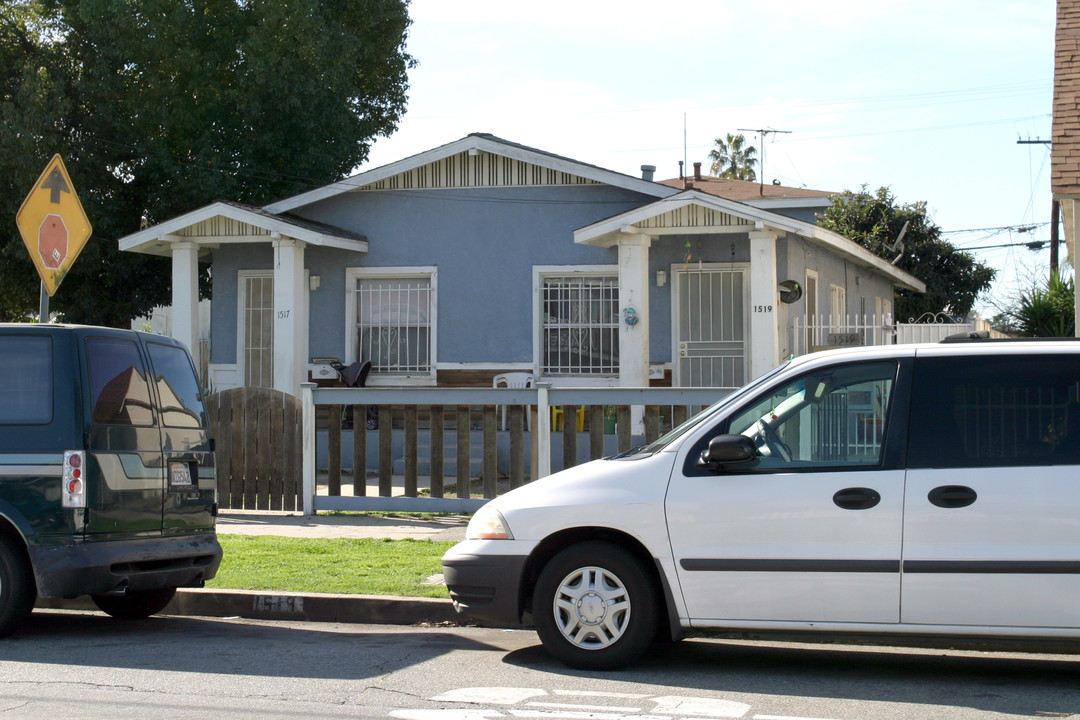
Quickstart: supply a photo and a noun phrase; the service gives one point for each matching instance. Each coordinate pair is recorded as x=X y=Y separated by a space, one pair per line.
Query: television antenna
x=763 y=132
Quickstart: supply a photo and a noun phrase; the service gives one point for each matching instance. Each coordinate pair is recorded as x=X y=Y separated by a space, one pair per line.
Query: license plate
x=179 y=476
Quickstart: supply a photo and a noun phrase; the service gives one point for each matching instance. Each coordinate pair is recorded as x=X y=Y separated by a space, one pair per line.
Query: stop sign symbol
x=53 y=241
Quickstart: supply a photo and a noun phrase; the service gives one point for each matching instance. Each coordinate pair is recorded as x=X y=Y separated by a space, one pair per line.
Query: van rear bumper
x=87 y=568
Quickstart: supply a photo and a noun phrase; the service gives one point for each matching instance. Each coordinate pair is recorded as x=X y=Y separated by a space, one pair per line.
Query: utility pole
x=763 y=132
x=1055 y=213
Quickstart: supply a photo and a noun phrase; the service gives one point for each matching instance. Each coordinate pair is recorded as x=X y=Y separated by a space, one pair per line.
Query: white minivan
x=908 y=492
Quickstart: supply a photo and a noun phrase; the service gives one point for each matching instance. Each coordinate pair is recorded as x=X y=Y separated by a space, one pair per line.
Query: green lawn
x=365 y=566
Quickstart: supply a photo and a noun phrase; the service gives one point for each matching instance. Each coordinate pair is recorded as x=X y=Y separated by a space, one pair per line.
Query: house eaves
x=474 y=144
x=222 y=223
x=694 y=212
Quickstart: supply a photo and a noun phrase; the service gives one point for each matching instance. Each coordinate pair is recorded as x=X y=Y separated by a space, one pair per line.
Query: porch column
x=1069 y=209
x=634 y=293
x=764 y=330
x=185 y=294
x=289 y=327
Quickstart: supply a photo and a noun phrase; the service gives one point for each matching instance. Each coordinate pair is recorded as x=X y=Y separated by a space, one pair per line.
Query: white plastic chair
x=513 y=380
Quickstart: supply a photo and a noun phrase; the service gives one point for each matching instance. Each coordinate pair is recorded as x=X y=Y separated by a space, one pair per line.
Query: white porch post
x=1069 y=209
x=764 y=330
x=634 y=293
x=288 y=325
x=185 y=294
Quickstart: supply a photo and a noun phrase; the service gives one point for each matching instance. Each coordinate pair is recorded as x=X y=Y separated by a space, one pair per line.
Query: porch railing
x=430 y=424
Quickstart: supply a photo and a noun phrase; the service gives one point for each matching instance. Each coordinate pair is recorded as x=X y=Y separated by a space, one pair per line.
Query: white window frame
x=242 y=276
x=540 y=274
x=838 y=308
x=425 y=272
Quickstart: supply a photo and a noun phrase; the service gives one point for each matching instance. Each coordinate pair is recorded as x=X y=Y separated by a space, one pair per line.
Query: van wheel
x=595 y=607
x=135 y=605
x=17 y=589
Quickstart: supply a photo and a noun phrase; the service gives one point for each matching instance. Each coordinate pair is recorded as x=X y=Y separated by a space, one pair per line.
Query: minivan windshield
x=664 y=440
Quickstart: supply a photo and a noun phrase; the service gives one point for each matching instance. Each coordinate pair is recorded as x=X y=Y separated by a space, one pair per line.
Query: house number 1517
x=763 y=308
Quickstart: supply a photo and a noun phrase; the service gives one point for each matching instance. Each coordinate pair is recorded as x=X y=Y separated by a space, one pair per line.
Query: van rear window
x=26 y=373
x=119 y=390
x=178 y=388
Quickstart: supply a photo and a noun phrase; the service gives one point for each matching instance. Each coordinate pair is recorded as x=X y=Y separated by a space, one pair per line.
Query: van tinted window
x=178 y=389
x=1001 y=411
x=26 y=373
x=119 y=392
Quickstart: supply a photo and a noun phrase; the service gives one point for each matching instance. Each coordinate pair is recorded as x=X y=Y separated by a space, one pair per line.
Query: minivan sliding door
x=993 y=494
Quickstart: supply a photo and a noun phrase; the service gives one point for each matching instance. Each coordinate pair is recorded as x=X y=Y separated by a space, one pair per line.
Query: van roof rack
x=984 y=336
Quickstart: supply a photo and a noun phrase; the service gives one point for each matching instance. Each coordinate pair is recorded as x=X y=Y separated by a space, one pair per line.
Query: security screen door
x=710 y=322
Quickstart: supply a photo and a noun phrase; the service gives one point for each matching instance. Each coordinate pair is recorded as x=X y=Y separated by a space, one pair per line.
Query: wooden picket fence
x=258 y=448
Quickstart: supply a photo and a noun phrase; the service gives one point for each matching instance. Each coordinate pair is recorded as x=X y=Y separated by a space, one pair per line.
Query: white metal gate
x=709 y=317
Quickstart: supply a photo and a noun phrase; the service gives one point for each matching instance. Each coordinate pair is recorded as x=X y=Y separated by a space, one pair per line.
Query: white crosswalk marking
x=538 y=704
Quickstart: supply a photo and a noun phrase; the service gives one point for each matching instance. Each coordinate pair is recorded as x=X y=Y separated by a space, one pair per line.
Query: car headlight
x=488 y=524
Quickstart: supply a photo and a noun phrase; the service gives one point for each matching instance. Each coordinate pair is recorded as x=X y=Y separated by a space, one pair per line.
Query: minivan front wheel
x=134 y=605
x=17 y=589
x=595 y=606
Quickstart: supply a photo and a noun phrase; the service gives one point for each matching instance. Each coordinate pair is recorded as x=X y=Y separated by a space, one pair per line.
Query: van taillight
x=74 y=484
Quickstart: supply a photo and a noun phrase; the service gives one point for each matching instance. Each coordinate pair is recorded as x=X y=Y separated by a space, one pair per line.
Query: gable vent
x=475 y=171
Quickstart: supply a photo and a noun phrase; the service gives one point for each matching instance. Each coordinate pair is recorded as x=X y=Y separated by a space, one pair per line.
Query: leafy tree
x=733 y=158
x=954 y=279
x=159 y=107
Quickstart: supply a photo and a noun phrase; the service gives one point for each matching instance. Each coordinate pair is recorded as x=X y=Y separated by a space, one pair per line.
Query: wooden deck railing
x=427 y=424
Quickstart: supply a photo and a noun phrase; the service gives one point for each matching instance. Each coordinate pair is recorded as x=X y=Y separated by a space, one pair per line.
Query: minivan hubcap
x=592 y=608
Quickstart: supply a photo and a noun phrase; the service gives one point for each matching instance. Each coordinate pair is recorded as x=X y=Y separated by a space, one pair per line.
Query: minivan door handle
x=952 y=496
x=858 y=498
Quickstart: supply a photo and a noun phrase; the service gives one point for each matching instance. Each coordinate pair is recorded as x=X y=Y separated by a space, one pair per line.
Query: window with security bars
x=581 y=325
x=394 y=323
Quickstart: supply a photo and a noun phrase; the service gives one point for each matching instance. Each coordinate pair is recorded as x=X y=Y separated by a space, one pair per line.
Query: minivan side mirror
x=728 y=449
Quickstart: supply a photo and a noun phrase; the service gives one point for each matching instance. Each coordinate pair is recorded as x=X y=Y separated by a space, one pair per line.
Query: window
x=119 y=392
x=830 y=418
x=995 y=411
x=177 y=386
x=838 y=308
x=580 y=333
x=394 y=323
x=26 y=377
x=257 y=328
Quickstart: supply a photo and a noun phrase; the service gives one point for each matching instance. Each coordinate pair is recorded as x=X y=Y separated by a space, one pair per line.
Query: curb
x=312 y=607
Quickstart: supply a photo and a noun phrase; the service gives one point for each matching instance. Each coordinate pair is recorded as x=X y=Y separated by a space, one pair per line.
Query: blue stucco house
x=484 y=256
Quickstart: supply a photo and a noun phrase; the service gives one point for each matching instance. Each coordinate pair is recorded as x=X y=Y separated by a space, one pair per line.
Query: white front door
x=811 y=531
x=709 y=317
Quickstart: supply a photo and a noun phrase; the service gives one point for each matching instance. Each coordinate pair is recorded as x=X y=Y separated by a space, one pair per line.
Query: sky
x=929 y=98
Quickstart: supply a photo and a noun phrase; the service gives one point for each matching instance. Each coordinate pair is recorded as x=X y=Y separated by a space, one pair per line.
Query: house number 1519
x=763 y=308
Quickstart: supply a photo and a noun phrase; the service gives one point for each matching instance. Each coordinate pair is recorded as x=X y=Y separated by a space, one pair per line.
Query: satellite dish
x=790 y=291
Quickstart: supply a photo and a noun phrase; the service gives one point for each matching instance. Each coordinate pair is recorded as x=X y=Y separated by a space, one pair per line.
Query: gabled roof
x=752 y=193
x=228 y=222
x=474 y=145
x=696 y=212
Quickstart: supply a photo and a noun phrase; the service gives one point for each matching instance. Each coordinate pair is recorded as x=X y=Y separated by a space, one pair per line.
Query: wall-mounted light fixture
x=661 y=278
x=314 y=281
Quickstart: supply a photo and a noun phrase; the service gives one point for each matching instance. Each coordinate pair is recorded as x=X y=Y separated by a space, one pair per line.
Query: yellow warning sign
x=53 y=225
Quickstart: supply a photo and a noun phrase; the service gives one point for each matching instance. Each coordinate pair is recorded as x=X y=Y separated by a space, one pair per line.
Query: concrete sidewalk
x=317 y=607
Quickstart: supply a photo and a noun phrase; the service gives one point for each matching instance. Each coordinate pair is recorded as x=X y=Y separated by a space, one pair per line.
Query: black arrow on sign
x=56 y=183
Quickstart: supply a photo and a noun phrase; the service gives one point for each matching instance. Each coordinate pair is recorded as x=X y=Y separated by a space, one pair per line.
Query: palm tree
x=733 y=158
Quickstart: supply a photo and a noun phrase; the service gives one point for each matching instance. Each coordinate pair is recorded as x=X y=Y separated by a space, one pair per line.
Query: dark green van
x=107 y=483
